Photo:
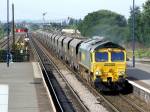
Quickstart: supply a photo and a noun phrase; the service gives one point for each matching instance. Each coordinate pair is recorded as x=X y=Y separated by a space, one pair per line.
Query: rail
x=84 y=108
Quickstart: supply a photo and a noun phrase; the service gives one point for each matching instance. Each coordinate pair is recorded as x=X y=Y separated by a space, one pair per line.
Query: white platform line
x=37 y=70
x=139 y=86
x=4 y=98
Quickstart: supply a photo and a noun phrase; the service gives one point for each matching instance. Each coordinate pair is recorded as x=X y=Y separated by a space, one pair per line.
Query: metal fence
x=17 y=55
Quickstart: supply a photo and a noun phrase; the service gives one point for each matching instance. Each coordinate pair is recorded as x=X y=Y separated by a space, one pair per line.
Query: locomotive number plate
x=109 y=64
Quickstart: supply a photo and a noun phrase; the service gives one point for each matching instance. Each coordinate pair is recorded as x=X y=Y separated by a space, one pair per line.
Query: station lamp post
x=44 y=18
x=133 y=34
x=8 y=31
x=13 y=26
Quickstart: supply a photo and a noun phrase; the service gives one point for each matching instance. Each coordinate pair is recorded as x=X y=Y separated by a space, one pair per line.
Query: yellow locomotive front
x=109 y=65
x=103 y=64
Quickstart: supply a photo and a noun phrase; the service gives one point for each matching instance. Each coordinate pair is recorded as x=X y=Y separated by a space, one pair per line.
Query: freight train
x=101 y=63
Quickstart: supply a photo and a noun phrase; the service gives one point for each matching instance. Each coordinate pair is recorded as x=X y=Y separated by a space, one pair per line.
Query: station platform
x=140 y=74
x=22 y=89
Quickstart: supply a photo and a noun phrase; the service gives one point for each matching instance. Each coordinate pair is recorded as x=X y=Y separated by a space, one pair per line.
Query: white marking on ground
x=38 y=74
x=36 y=69
x=3 y=98
x=139 y=86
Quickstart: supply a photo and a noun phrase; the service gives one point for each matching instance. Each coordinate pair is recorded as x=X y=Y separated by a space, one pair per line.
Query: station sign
x=19 y=30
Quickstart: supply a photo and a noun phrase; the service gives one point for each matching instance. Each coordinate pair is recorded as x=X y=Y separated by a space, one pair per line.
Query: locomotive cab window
x=117 y=56
x=101 y=56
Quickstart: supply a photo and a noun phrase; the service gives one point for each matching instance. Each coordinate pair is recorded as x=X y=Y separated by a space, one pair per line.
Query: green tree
x=146 y=22
x=138 y=24
x=1 y=30
x=105 y=23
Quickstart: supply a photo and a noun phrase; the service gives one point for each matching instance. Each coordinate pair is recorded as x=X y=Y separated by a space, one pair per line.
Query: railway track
x=64 y=97
x=123 y=103
x=119 y=102
x=116 y=103
x=3 y=43
x=103 y=101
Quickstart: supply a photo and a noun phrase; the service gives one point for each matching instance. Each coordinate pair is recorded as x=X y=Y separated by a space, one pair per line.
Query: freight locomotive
x=102 y=63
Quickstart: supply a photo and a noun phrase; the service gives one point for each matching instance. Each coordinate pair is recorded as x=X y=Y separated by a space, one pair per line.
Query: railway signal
x=133 y=34
x=19 y=30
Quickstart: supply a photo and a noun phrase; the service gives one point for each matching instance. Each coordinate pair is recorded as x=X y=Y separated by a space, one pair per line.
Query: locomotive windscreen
x=101 y=56
x=117 y=56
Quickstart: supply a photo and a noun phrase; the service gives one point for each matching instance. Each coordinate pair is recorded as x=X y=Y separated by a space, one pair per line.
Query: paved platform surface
x=140 y=74
x=26 y=92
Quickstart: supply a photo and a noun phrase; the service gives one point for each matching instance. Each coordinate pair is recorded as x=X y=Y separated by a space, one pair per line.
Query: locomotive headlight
x=98 y=73
x=121 y=72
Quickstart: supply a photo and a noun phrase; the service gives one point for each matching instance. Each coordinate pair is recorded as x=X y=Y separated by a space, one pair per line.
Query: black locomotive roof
x=106 y=44
x=95 y=44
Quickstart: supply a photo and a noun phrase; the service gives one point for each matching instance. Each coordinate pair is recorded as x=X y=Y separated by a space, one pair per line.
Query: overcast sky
x=59 y=9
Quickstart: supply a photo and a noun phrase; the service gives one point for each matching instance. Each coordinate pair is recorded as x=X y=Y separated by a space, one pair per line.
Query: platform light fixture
x=44 y=14
x=133 y=34
x=8 y=31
